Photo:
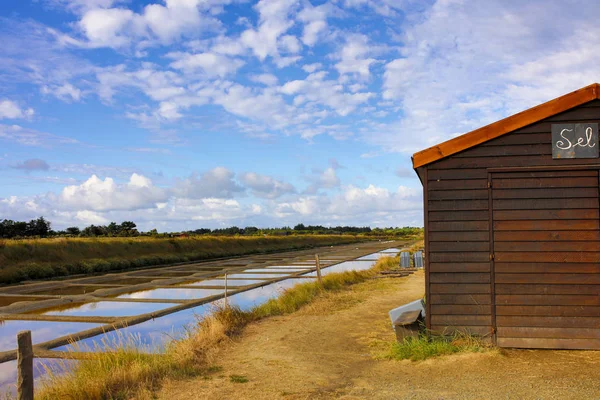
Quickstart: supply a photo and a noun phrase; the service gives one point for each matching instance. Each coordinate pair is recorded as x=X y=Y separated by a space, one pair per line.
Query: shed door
x=547 y=259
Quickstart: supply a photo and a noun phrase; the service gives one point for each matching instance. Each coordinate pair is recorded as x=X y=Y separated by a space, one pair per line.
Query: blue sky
x=182 y=114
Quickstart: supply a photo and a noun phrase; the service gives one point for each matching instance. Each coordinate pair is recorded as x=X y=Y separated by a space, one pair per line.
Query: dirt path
x=326 y=351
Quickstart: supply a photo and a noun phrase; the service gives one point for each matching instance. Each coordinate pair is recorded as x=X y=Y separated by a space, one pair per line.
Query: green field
x=26 y=259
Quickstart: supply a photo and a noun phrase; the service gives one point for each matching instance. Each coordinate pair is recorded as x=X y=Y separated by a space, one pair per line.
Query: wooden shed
x=512 y=233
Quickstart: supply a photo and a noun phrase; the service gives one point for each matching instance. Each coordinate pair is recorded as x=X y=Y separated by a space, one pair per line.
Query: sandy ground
x=327 y=350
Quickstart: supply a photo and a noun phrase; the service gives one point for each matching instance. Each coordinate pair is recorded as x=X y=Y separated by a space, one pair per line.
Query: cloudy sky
x=182 y=114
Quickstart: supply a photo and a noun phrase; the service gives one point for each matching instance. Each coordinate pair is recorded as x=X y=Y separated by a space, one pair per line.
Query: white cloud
x=265 y=79
x=266 y=186
x=170 y=21
x=304 y=206
x=274 y=21
x=32 y=54
x=215 y=183
x=315 y=22
x=119 y=27
x=481 y=64
x=290 y=44
x=373 y=199
x=327 y=179
x=122 y=173
x=156 y=84
x=336 y=131
x=209 y=63
x=168 y=110
x=266 y=105
x=315 y=88
x=473 y=77
x=83 y=5
x=96 y=194
x=310 y=68
x=31 y=137
x=65 y=92
x=283 y=62
x=98 y=201
x=209 y=209
x=371 y=206
x=354 y=56
x=386 y=8
x=87 y=217
x=109 y=27
x=11 y=110
x=228 y=46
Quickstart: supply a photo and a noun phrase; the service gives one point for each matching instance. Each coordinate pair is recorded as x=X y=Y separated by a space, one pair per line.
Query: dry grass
x=127 y=373
x=46 y=258
x=417 y=246
x=119 y=374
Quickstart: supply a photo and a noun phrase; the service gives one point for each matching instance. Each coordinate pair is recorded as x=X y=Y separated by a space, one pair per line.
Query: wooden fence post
x=225 y=289
x=24 y=366
x=318 y=265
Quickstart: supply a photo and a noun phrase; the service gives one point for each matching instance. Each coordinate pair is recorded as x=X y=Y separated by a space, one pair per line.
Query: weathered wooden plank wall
x=530 y=238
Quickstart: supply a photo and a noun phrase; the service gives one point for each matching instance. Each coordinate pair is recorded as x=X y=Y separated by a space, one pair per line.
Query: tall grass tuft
x=125 y=372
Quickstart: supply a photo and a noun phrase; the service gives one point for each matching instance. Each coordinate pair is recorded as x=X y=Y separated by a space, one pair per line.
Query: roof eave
x=506 y=125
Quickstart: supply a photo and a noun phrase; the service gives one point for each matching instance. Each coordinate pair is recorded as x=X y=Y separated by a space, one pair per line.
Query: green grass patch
x=125 y=372
x=424 y=346
x=238 y=379
x=214 y=369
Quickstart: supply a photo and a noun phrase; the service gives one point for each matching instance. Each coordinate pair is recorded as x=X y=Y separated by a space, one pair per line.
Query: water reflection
x=41 y=331
x=221 y=282
x=345 y=266
x=153 y=334
x=254 y=276
x=378 y=255
x=172 y=294
x=8 y=373
x=276 y=271
x=109 y=309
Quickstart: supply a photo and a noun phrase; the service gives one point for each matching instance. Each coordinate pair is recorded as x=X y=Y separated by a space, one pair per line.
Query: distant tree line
x=36 y=227
x=41 y=227
x=310 y=230
x=125 y=228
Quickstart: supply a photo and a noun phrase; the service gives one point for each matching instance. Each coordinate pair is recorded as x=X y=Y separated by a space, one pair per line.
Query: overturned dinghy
x=407 y=319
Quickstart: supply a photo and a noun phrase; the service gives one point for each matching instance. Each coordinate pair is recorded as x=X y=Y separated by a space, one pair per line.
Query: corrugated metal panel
x=405 y=259
x=418 y=259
